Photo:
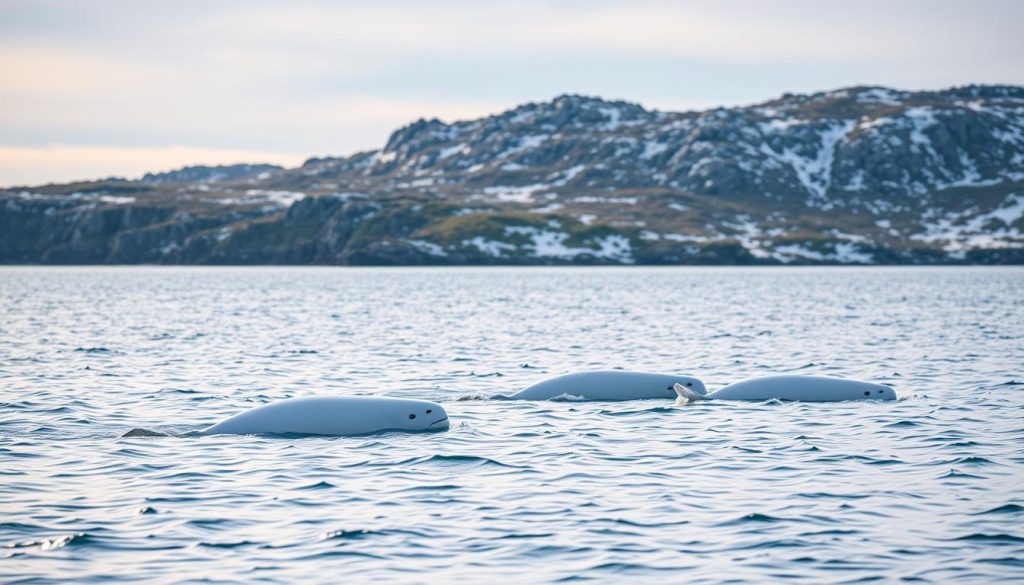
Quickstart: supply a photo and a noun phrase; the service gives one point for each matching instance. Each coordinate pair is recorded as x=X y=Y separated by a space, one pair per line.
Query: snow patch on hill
x=814 y=172
x=959 y=232
x=551 y=244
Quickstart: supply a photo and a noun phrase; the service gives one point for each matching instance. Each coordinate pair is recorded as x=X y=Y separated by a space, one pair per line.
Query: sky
x=97 y=88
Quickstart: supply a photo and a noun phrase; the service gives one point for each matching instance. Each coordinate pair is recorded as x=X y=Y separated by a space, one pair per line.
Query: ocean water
x=928 y=489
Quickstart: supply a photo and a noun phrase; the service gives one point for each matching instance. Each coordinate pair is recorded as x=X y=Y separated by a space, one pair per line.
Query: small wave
x=653 y=409
x=20 y=527
x=1009 y=561
x=981 y=537
x=831 y=532
x=140 y=432
x=430 y=488
x=872 y=461
x=95 y=350
x=468 y=460
x=830 y=495
x=976 y=460
x=903 y=424
x=64 y=540
x=526 y=535
x=1004 y=509
x=229 y=545
x=954 y=473
x=320 y=485
x=180 y=390
x=348 y=534
x=753 y=518
x=629 y=568
x=557 y=551
x=964 y=444
x=638 y=524
x=770 y=544
x=339 y=552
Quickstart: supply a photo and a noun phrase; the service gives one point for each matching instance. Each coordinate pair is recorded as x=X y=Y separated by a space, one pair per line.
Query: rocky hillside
x=859 y=175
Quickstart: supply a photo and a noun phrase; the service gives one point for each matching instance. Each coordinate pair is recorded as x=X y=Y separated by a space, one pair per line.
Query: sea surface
x=929 y=489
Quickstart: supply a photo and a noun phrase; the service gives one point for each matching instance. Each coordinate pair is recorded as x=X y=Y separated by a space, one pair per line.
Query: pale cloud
x=726 y=29
x=315 y=124
x=25 y=165
x=739 y=30
x=360 y=123
x=42 y=70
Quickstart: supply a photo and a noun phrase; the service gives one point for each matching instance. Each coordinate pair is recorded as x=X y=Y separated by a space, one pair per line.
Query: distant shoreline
x=506 y=266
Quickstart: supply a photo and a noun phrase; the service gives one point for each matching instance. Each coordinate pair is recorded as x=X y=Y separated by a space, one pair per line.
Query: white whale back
x=335 y=415
x=609 y=385
x=804 y=389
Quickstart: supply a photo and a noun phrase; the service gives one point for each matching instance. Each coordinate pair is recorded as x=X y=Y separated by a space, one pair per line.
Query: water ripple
x=927 y=489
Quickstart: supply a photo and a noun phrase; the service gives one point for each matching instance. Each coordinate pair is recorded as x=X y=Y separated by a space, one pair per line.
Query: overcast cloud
x=99 y=88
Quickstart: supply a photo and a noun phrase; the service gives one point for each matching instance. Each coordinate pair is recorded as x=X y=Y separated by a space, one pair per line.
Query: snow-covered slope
x=839 y=147
x=858 y=175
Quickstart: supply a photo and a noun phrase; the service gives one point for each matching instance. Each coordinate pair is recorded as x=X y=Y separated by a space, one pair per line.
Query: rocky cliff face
x=860 y=175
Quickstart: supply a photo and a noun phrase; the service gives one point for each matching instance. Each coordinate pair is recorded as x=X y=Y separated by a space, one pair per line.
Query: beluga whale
x=793 y=388
x=608 y=385
x=329 y=415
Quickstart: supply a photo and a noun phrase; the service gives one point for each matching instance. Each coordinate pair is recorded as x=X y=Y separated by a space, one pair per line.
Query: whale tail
x=687 y=394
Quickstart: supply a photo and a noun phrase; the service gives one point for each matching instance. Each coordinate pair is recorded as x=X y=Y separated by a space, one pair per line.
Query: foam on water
x=930 y=488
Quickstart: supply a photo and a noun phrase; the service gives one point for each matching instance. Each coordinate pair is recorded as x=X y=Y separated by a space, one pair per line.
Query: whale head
x=420 y=415
x=879 y=392
x=692 y=384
